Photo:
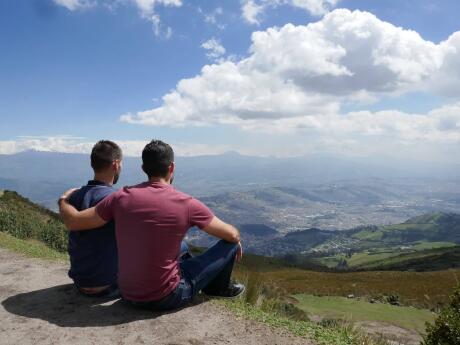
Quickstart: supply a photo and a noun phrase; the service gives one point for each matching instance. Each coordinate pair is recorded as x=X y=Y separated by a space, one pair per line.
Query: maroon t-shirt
x=151 y=220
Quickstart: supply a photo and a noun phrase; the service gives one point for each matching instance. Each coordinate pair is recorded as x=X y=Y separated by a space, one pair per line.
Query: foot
x=234 y=290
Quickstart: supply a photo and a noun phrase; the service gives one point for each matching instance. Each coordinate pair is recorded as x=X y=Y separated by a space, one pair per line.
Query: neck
x=104 y=177
x=162 y=180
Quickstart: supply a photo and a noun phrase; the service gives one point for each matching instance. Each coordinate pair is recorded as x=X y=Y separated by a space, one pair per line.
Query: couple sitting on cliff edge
x=130 y=241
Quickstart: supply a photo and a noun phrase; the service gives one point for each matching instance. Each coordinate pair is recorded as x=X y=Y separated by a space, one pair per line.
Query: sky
x=260 y=77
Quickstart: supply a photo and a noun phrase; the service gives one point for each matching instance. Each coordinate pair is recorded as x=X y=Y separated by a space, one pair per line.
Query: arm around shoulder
x=76 y=220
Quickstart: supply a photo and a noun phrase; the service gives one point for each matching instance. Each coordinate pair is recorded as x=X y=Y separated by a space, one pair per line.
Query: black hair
x=157 y=156
x=103 y=154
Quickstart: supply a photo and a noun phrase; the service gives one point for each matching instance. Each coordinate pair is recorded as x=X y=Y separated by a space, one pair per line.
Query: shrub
x=25 y=220
x=446 y=328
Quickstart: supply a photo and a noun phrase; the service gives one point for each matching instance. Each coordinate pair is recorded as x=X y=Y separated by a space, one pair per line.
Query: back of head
x=157 y=157
x=103 y=154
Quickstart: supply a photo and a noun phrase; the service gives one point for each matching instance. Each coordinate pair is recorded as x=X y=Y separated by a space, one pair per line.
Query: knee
x=230 y=246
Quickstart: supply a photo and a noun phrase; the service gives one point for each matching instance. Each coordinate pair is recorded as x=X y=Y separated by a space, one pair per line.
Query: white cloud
x=73 y=5
x=69 y=144
x=296 y=79
x=213 y=17
x=447 y=80
x=315 y=7
x=214 y=49
x=251 y=10
x=301 y=71
x=147 y=9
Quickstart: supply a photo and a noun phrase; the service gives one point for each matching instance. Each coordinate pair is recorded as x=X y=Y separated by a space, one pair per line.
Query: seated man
x=93 y=253
x=151 y=219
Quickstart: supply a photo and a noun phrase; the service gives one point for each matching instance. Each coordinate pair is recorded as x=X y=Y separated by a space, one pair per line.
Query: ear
x=116 y=164
x=171 y=168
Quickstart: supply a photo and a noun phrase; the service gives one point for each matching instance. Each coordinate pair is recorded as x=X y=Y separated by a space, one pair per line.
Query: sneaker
x=234 y=290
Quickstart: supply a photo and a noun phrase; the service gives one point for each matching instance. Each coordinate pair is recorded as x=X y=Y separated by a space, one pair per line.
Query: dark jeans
x=111 y=291
x=210 y=272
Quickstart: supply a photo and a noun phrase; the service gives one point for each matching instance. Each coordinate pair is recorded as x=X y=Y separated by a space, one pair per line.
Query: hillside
x=425 y=242
x=424 y=260
x=26 y=220
x=47 y=305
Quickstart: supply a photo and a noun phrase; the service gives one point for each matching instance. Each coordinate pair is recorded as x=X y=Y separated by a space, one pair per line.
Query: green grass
x=383 y=256
x=30 y=248
x=438 y=256
x=339 y=334
x=353 y=310
x=25 y=220
x=366 y=258
x=432 y=245
x=410 y=226
x=357 y=259
x=369 y=235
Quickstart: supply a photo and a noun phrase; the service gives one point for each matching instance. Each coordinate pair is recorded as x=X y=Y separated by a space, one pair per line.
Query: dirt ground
x=40 y=306
x=396 y=335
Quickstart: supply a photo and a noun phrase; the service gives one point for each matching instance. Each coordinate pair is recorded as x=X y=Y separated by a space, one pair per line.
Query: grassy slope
x=420 y=289
x=340 y=334
x=356 y=310
x=25 y=220
x=30 y=248
x=381 y=259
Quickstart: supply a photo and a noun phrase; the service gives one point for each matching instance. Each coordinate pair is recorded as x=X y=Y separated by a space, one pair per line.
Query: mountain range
x=286 y=194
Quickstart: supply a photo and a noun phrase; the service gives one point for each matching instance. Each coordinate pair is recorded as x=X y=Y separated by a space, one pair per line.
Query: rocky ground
x=40 y=306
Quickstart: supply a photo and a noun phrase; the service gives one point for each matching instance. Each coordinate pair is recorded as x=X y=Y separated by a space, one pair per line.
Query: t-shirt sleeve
x=100 y=194
x=199 y=214
x=106 y=207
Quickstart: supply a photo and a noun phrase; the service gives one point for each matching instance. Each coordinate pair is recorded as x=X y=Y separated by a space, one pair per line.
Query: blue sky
x=70 y=70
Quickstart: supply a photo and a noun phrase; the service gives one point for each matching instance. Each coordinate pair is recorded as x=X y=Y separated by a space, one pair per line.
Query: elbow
x=235 y=237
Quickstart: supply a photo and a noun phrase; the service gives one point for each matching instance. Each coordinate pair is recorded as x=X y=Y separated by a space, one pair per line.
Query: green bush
x=54 y=235
x=446 y=328
x=25 y=220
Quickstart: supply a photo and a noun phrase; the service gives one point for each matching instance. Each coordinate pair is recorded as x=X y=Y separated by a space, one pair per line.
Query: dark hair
x=157 y=156
x=103 y=154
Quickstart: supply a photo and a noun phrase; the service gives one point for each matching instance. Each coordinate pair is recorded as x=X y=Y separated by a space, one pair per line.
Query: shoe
x=234 y=290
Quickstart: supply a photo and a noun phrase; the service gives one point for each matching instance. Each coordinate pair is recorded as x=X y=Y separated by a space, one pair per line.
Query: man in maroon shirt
x=151 y=219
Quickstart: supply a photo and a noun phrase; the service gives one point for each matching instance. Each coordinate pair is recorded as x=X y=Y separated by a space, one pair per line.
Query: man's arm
x=78 y=220
x=225 y=231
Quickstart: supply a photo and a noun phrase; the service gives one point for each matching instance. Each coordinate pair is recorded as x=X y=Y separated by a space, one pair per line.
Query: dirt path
x=40 y=306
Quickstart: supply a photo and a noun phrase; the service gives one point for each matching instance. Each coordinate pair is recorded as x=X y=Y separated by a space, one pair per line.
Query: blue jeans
x=210 y=272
